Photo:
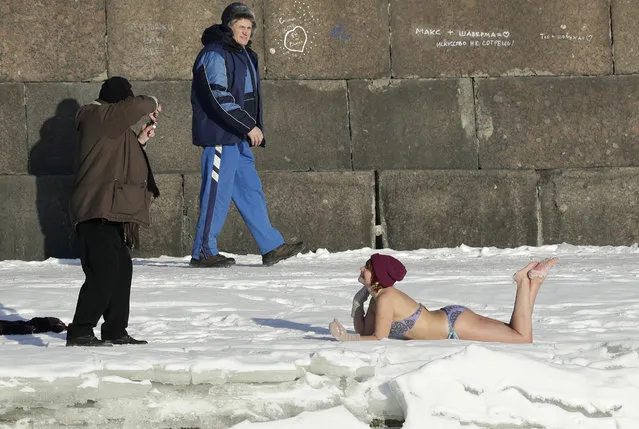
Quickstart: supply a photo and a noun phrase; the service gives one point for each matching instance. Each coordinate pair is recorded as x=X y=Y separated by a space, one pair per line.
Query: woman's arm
x=379 y=318
x=380 y=311
x=366 y=324
x=359 y=320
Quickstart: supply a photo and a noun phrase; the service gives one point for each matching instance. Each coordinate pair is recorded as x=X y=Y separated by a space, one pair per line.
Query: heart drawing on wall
x=295 y=39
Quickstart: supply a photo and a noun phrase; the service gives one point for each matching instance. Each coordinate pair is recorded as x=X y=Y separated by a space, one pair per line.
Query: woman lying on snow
x=391 y=313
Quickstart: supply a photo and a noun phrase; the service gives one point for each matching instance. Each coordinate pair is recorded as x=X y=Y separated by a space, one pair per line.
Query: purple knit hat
x=387 y=269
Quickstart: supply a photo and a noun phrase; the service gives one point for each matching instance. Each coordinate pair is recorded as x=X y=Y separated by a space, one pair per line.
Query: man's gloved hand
x=337 y=330
x=359 y=299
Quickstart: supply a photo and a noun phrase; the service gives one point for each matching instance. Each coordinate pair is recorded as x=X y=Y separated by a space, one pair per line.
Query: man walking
x=227 y=122
x=111 y=198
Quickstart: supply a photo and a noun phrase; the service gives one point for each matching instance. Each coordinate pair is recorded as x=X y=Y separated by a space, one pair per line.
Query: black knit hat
x=235 y=11
x=115 y=89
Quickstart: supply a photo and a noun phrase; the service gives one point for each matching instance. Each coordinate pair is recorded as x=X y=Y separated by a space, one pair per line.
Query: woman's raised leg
x=537 y=275
x=471 y=326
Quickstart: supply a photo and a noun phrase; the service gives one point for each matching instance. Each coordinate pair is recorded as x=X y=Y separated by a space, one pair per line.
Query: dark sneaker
x=215 y=261
x=125 y=339
x=86 y=341
x=281 y=252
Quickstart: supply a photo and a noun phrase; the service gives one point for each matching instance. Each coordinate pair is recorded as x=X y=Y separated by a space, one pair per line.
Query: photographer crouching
x=112 y=196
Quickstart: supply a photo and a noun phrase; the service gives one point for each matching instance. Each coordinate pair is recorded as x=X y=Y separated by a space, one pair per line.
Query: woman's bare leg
x=471 y=326
x=537 y=276
x=521 y=319
x=521 y=273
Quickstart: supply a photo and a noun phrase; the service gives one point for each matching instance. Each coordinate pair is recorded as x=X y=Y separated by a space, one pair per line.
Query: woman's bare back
x=431 y=325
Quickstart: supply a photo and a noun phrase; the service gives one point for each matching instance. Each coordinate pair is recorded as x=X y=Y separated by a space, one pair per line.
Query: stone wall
x=390 y=123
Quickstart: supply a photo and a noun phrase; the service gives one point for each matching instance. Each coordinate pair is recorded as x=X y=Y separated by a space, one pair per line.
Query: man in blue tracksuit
x=227 y=122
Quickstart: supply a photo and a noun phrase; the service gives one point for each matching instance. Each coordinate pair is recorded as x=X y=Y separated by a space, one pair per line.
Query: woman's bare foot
x=521 y=274
x=541 y=270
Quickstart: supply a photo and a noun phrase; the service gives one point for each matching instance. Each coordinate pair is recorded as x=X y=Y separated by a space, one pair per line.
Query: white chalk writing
x=295 y=39
x=449 y=38
x=484 y=34
x=451 y=43
x=428 y=31
x=432 y=32
x=566 y=36
x=152 y=26
x=474 y=43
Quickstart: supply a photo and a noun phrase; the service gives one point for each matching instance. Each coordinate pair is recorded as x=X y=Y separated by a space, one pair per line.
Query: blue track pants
x=229 y=174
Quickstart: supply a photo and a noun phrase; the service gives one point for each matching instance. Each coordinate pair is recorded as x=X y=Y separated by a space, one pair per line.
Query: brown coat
x=112 y=170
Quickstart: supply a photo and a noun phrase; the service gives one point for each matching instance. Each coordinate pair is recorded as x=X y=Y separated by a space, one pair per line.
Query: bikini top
x=399 y=328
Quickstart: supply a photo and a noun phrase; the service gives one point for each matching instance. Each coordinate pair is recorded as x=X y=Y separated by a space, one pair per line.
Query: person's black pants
x=106 y=262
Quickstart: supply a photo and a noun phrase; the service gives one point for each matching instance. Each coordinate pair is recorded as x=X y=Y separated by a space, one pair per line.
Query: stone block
x=52 y=41
x=51 y=110
x=596 y=207
x=191 y=192
x=35 y=218
x=436 y=38
x=545 y=123
x=625 y=24
x=160 y=39
x=326 y=39
x=432 y=209
x=164 y=236
x=337 y=213
x=306 y=126
x=413 y=124
x=13 y=129
x=171 y=150
x=37 y=225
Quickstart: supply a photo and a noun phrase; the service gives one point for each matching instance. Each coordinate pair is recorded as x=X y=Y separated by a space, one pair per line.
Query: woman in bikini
x=393 y=314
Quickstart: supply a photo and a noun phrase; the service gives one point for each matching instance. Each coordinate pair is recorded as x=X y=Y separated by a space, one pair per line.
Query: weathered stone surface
x=306 y=126
x=34 y=218
x=191 y=195
x=591 y=207
x=625 y=25
x=413 y=124
x=326 y=210
x=548 y=123
x=431 y=209
x=164 y=236
x=13 y=129
x=327 y=39
x=52 y=41
x=160 y=39
x=51 y=109
x=500 y=37
x=36 y=223
x=171 y=150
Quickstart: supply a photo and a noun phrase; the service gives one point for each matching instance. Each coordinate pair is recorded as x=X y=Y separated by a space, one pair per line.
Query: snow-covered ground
x=248 y=346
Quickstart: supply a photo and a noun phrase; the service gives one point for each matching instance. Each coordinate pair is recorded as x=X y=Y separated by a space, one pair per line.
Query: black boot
x=214 y=261
x=125 y=339
x=83 y=336
x=281 y=252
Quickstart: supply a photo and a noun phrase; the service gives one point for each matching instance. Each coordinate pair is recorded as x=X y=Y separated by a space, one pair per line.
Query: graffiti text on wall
x=467 y=38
